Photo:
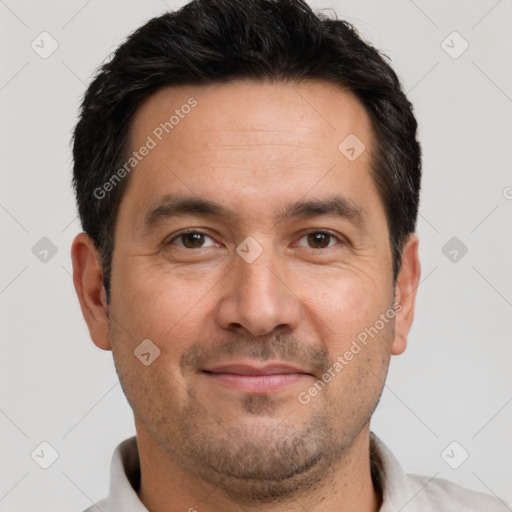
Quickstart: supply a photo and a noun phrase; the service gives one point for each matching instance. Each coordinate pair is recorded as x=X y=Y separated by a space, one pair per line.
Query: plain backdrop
x=454 y=381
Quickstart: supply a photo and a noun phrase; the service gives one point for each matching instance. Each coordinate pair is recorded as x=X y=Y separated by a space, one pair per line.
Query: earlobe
x=405 y=293
x=88 y=282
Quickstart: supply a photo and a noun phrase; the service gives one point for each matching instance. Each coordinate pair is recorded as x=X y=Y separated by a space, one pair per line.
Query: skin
x=254 y=147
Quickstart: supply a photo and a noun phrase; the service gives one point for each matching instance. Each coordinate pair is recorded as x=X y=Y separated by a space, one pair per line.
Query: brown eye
x=319 y=240
x=192 y=240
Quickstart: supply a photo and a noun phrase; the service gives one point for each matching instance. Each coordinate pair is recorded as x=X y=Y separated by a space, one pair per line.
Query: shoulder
x=401 y=490
x=442 y=495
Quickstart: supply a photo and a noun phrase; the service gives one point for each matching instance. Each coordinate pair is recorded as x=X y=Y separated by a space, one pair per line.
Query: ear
x=405 y=292
x=88 y=281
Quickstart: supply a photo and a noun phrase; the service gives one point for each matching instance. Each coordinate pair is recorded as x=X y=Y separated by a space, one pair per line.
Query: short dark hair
x=217 y=41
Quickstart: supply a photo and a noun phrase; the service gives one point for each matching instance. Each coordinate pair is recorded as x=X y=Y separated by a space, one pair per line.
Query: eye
x=319 y=240
x=192 y=240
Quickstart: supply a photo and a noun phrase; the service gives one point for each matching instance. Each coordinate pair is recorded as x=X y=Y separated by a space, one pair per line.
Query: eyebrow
x=169 y=206
x=336 y=206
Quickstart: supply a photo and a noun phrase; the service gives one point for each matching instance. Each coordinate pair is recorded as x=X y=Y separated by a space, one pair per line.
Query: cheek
x=343 y=308
x=155 y=305
x=359 y=344
x=171 y=314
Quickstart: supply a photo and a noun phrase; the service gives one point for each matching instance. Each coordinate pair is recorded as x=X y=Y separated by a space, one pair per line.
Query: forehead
x=248 y=142
x=295 y=109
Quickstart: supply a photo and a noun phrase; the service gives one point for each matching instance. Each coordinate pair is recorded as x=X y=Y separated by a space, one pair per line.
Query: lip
x=256 y=379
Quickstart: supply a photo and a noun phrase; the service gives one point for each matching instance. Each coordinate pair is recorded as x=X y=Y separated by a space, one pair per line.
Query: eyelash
x=198 y=231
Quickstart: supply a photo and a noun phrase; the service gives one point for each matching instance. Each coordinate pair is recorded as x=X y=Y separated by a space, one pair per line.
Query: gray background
x=452 y=384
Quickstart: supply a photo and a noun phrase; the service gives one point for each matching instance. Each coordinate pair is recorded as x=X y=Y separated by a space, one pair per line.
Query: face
x=252 y=250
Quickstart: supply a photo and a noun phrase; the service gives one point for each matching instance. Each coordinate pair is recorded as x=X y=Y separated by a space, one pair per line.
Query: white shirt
x=400 y=491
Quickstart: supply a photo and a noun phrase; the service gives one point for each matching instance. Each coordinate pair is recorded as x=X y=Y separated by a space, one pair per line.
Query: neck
x=167 y=487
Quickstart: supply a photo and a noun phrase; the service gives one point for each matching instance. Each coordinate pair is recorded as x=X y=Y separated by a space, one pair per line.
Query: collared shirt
x=399 y=490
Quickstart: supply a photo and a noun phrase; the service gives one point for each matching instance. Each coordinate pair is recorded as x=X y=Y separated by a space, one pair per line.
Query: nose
x=258 y=298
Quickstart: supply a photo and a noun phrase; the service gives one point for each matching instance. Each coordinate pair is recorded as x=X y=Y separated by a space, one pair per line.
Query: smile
x=253 y=379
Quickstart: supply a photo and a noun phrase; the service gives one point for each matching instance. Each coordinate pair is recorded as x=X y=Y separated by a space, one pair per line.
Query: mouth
x=250 y=378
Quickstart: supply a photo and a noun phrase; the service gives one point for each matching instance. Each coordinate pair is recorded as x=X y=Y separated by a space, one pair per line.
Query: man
x=247 y=175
